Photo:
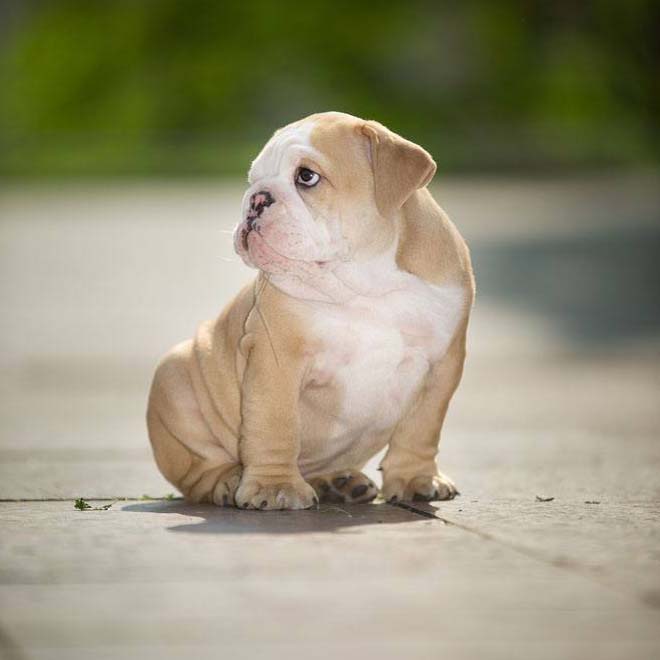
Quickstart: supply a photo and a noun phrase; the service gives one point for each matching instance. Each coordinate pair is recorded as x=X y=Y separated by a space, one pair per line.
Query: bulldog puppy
x=351 y=338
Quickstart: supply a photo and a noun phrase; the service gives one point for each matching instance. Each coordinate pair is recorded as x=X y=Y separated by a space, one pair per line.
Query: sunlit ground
x=559 y=398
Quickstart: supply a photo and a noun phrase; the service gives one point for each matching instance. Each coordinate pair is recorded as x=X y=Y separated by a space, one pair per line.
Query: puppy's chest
x=371 y=356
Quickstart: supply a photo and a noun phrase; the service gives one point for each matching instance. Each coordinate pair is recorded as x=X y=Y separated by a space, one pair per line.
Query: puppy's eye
x=306 y=177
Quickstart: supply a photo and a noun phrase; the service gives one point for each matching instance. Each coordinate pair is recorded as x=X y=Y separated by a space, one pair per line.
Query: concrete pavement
x=559 y=400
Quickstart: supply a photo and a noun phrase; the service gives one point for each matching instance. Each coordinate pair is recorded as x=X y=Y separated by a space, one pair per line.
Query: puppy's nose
x=259 y=201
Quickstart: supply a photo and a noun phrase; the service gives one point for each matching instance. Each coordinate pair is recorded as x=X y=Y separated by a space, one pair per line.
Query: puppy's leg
x=269 y=440
x=348 y=486
x=187 y=452
x=409 y=468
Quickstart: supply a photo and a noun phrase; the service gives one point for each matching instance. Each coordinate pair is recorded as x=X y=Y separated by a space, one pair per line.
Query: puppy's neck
x=343 y=281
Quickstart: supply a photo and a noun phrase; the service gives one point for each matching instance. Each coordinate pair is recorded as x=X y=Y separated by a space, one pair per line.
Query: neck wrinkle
x=344 y=283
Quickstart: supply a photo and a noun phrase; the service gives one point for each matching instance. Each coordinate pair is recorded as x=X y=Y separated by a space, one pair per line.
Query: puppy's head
x=324 y=190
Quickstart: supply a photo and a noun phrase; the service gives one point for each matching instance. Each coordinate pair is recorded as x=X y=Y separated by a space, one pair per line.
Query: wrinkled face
x=310 y=204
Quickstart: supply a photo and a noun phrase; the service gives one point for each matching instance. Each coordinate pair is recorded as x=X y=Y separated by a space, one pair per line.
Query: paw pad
x=359 y=491
x=345 y=487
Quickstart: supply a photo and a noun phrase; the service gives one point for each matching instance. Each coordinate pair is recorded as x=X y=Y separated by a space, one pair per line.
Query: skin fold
x=350 y=339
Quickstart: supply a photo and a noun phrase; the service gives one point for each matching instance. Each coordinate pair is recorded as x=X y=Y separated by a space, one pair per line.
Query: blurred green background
x=171 y=87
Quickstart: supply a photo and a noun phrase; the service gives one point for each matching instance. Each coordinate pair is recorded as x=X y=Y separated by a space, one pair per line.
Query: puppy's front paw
x=259 y=492
x=423 y=488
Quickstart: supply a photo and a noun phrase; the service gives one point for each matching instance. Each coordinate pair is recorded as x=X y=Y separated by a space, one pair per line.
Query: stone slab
x=143 y=578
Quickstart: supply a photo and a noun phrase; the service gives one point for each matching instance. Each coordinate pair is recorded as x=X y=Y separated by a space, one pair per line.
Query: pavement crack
x=425 y=510
x=414 y=509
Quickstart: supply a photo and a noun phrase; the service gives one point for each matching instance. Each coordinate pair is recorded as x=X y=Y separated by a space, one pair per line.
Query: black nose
x=259 y=201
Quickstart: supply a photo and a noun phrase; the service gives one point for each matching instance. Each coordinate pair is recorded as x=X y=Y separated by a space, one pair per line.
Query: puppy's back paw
x=225 y=490
x=344 y=487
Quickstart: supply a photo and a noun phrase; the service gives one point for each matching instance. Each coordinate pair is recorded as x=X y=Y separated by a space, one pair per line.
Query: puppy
x=350 y=339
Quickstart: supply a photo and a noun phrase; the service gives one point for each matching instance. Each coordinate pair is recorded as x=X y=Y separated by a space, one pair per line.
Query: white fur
x=288 y=144
x=375 y=350
x=288 y=237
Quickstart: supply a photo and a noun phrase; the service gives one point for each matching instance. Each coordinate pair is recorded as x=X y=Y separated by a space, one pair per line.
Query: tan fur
x=228 y=410
x=399 y=166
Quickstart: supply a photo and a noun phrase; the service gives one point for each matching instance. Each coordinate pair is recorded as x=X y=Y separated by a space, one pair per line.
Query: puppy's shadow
x=209 y=519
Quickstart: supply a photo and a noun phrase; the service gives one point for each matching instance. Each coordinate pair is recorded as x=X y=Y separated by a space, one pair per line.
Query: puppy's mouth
x=251 y=225
x=245 y=233
x=259 y=201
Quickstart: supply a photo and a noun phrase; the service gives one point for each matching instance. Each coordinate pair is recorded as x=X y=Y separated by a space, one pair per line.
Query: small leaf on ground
x=81 y=504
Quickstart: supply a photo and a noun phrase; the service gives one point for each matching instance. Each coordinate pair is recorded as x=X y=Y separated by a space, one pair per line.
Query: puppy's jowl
x=351 y=337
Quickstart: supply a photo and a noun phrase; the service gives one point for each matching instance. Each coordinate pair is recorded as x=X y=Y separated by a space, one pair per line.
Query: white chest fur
x=373 y=352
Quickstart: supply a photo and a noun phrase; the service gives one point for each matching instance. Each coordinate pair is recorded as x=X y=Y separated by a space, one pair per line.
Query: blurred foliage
x=195 y=87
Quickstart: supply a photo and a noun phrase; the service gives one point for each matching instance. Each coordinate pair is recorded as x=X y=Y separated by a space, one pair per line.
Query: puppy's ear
x=400 y=167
